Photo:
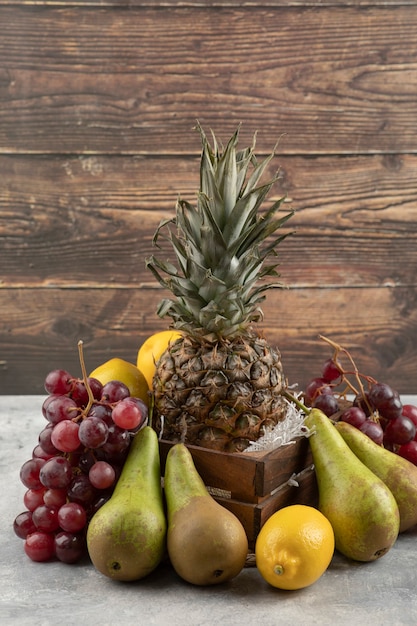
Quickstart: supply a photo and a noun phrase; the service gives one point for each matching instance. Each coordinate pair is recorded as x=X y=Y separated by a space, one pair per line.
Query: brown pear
x=207 y=544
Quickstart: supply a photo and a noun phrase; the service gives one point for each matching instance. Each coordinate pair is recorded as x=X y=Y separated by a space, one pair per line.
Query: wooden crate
x=255 y=485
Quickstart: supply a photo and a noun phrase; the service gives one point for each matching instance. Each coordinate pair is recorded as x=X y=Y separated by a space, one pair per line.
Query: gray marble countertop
x=41 y=594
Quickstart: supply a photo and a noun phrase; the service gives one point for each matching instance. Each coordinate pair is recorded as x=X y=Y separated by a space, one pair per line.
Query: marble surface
x=41 y=594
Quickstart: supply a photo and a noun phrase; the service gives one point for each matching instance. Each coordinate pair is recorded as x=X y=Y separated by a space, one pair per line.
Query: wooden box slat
x=248 y=477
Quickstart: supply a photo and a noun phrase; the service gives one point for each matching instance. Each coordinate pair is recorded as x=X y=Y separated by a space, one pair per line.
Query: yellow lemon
x=125 y=372
x=152 y=349
x=294 y=547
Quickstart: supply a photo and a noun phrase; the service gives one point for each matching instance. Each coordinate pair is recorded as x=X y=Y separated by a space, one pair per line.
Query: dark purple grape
x=354 y=415
x=61 y=408
x=79 y=393
x=23 y=525
x=56 y=473
x=399 y=431
x=385 y=400
x=103 y=411
x=327 y=403
x=114 y=391
x=93 y=432
x=69 y=547
x=96 y=387
x=118 y=441
x=373 y=430
x=393 y=409
x=82 y=491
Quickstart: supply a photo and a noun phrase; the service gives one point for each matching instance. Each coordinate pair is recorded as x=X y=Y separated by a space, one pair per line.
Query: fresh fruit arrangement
x=94 y=482
x=77 y=461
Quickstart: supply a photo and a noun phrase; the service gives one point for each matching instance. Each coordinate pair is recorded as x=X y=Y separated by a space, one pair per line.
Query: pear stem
x=296 y=401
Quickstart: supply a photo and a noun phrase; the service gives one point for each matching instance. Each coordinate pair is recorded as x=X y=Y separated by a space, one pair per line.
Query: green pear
x=358 y=504
x=206 y=543
x=126 y=538
x=397 y=473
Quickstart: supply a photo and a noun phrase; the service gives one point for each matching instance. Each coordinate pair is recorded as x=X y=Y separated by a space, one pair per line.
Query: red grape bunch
x=76 y=463
x=376 y=408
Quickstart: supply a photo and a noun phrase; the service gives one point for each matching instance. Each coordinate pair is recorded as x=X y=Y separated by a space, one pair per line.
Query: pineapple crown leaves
x=221 y=244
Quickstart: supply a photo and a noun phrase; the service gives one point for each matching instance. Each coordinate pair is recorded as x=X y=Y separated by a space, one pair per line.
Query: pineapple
x=219 y=386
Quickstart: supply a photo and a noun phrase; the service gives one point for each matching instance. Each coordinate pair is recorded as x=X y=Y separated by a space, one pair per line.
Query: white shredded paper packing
x=284 y=433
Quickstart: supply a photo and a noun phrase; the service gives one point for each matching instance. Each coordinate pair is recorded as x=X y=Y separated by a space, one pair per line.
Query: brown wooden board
x=89 y=221
x=93 y=79
x=98 y=101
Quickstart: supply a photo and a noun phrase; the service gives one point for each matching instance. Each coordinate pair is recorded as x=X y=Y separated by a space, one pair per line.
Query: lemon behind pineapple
x=125 y=372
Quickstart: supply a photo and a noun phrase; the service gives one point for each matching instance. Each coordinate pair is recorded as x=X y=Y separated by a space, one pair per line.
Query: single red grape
x=61 y=408
x=30 y=473
x=354 y=415
x=45 y=518
x=23 y=525
x=127 y=414
x=33 y=498
x=55 y=497
x=40 y=546
x=65 y=436
x=102 y=475
x=409 y=451
x=58 y=382
x=72 y=517
x=331 y=371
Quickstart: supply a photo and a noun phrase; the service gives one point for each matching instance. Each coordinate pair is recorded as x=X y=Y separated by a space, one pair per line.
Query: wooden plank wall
x=98 y=101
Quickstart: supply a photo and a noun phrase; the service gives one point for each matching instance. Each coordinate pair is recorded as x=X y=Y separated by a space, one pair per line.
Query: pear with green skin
x=358 y=504
x=397 y=473
x=126 y=538
x=207 y=544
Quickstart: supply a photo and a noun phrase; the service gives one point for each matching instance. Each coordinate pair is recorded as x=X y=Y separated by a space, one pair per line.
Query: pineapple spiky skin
x=218 y=395
x=220 y=385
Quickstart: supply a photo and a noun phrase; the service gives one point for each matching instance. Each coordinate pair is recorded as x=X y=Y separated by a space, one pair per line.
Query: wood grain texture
x=98 y=100
x=90 y=220
x=40 y=329
x=337 y=80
